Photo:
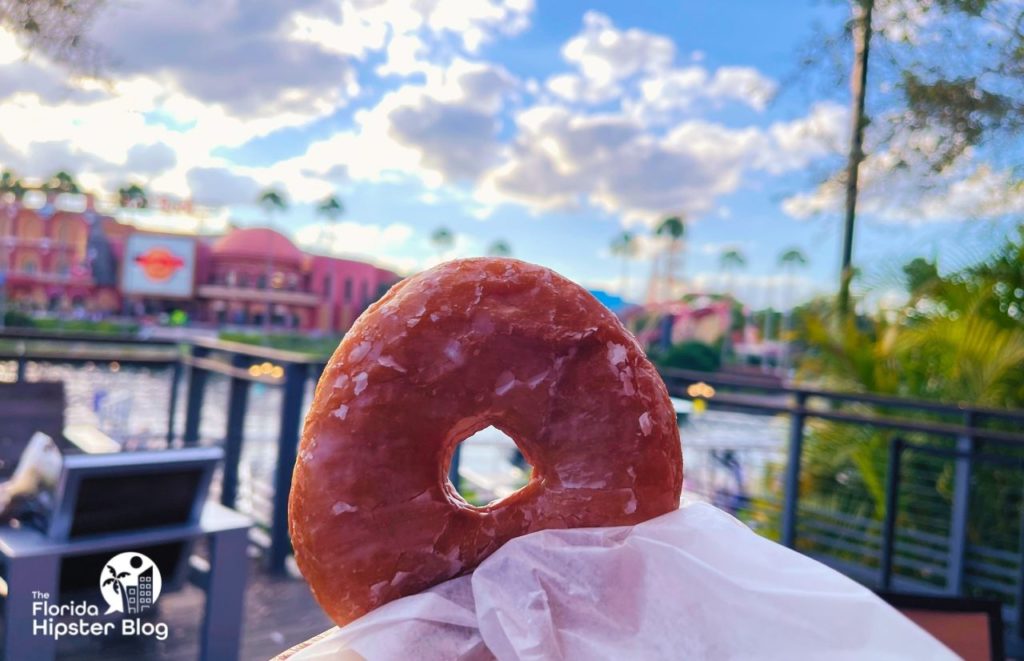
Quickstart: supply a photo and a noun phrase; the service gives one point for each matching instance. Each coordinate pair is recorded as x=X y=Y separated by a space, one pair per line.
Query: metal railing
x=949 y=496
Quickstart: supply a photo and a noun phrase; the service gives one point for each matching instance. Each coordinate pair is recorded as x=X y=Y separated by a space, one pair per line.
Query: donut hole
x=491 y=468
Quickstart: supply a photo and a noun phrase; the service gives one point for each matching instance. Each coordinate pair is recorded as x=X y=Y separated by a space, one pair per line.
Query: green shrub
x=691 y=355
x=14 y=318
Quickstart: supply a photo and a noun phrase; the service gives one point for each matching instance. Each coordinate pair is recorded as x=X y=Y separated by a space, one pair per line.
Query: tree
x=62 y=182
x=945 y=80
x=790 y=260
x=331 y=208
x=499 y=248
x=624 y=246
x=57 y=28
x=272 y=201
x=443 y=240
x=132 y=196
x=920 y=275
x=861 y=27
x=732 y=260
x=10 y=183
x=673 y=227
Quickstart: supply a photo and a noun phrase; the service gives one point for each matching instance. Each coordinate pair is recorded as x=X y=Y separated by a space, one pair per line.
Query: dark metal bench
x=147 y=502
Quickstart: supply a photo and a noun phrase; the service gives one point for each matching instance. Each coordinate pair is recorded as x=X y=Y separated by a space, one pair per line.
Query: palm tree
x=500 y=248
x=132 y=196
x=789 y=261
x=730 y=262
x=62 y=182
x=272 y=201
x=624 y=246
x=10 y=183
x=674 y=227
x=443 y=240
x=115 y=582
x=331 y=208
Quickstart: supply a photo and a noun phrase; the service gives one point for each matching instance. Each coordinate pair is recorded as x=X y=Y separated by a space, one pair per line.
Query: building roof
x=256 y=243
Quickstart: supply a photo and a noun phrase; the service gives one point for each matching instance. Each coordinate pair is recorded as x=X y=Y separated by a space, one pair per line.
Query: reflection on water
x=725 y=453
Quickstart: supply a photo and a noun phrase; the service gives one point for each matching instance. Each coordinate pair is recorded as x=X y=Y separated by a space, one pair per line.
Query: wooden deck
x=279 y=613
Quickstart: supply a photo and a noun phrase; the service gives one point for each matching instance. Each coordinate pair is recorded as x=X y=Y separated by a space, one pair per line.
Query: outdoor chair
x=973 y=628
x=153 y=503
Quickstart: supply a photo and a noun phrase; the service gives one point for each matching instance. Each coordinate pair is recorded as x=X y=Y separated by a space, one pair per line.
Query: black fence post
x=295 y=375
x=238 y=402
x=791 y=493
x=20 y=374
x=172 y=409
x=892 y=488
x=960 y=507
x=1020 y=576
x=194 y=402
x=453 y=469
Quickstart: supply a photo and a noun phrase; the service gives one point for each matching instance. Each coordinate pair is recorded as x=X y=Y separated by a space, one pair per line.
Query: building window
x=261 y=282
x=327 y=285
x=366 y=293
x=348 y=290
x=28 y=266
x=62 y=267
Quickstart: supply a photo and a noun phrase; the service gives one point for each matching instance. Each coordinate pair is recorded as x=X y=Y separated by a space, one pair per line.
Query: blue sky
x=550 y=125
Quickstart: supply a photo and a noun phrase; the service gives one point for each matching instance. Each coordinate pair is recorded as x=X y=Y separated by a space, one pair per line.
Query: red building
x=59 y=261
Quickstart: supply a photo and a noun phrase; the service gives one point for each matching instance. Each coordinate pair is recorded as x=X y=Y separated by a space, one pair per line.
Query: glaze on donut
x=448 y=352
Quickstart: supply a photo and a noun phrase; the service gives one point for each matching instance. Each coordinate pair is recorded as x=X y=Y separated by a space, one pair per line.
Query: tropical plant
x=62 y=182
x=691 y=355
x=730 y=262
x=624 y=247
x=789 y=260
x=331 y=208
x=674 y=228
x=10 y=183
x=272 y=201
x=499 y=248
x=132 y=196
x=954 y=341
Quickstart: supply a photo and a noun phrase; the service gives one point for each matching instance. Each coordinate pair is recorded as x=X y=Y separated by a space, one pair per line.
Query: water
x=723 y=452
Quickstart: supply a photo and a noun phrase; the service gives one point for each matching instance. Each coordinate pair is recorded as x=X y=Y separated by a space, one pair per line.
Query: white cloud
x=680 y=89
x=441 y=131
x=898 y=185
x=397 y=245
x=353 y=238
x=605 y=55
x=562 y=159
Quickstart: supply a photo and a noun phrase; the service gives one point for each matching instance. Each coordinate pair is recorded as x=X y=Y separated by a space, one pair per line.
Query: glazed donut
x=466 y=345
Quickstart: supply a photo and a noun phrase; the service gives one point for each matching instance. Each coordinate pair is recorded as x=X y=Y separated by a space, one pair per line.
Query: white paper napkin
x=692 y=584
